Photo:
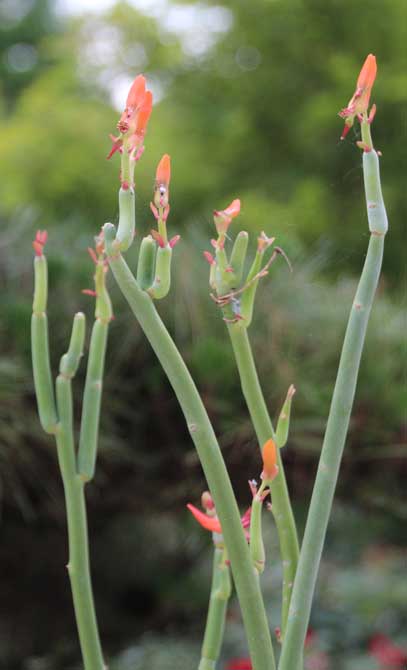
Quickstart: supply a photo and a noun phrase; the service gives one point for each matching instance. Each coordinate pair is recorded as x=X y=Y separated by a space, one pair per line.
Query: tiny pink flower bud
x=174 y=240
x=89 y=291
x=207 y=501
x=209 y=258
x=39 y=242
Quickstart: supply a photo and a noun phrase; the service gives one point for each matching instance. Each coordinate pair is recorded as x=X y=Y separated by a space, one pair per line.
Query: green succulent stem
x=215 y=622
x=332 y=449
x=57 y=418
x=263 y=427
x=203 y=436
x=78 y=565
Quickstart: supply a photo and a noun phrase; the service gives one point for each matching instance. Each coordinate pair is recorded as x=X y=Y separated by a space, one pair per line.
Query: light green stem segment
x=257 y=553
x=127 y=218
x=332 y=449
x=249 y=294
x=204 y=438
x=238 y=255
x=215 y=623
x=376 y=211
x=146 y=262
x=70 y=361
x=281 y=505
x=162 y=279
x=44 y=389
x=78 y=566
x=283 y=423
x=92 y=397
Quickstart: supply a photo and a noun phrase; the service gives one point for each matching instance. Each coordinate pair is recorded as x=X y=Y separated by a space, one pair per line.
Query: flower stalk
x=344 y=391
x=57 y=418
x=203 y=436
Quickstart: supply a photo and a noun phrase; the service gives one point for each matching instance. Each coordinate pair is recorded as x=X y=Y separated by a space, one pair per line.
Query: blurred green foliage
x=248 y=94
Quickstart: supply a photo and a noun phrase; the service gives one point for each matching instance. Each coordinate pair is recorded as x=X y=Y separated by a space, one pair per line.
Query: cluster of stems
x=239 y=553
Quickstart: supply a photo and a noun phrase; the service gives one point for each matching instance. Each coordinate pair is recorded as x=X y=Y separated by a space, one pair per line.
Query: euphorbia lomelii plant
x=239 y=552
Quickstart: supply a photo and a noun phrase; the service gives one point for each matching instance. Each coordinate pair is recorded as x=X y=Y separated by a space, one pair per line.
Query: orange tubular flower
x=212 y=523
x=359 y=102
x=133 y=122
x=270 y=467
x=207 y=522
x=223 y=218
x=162 y=182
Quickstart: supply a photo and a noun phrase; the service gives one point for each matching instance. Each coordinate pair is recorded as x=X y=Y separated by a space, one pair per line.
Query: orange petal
x=269 y=452
x=137 y=92
x=233 y=209
x=368 y=73
x=207 y=522
x=163 y=173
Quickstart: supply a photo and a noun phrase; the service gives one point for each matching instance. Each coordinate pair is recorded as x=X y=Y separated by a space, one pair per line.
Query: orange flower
x=359 y=102
x=162 y=181
x=133 y=122
x=223 y=218
x=212 y=523
x=270 y=467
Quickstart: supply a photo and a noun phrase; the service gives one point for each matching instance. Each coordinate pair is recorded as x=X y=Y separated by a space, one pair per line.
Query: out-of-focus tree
x=23 y=26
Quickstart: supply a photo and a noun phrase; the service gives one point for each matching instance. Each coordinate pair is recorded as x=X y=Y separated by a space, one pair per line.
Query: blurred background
x=246 y=100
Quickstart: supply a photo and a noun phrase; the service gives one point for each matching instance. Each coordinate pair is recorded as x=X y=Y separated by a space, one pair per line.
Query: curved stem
x=331 y=454
x=203 y=436
x=263 y=427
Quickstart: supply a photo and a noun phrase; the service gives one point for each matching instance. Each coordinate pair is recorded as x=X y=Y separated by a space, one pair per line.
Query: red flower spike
x=39 y=242
x=359 y=102
x=89 y=291
x=269 y=453
x=207 y=522
x=133 y=121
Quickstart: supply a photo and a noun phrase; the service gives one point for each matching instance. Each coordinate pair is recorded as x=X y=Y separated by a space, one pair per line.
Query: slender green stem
x=203 y=436
x=331 y=455
x=281 y=505
x=92 y=398
x=215 y=621
x=78 y=566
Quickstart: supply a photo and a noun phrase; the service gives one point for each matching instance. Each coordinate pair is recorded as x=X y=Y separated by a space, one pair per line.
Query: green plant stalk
x=263 y=427
x=203 y=436
x=215 y=623
x=331 y=454
x=78 y=565
x=44 y=389
x=92 y=397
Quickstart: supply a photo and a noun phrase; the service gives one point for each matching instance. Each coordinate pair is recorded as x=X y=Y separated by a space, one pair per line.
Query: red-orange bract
x=269 y=453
